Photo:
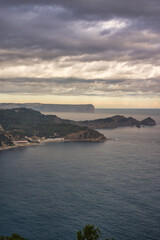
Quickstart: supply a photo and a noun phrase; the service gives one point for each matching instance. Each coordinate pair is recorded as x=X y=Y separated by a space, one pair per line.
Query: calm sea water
x=52 y=190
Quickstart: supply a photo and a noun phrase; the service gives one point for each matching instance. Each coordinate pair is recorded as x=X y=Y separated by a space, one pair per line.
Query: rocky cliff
x=87 y=135
x=5 y=139
x=148 y=122
x=116 y=121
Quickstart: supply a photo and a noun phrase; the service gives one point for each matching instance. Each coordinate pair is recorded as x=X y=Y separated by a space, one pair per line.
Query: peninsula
x=22 y=126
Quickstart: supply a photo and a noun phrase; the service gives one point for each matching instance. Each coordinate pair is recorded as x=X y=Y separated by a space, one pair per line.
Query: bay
x=52 y=190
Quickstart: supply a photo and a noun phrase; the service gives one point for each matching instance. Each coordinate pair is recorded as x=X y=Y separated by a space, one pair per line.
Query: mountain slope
x=22 y=123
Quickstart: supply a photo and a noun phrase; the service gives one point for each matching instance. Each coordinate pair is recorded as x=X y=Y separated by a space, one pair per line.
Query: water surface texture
x=52 y=190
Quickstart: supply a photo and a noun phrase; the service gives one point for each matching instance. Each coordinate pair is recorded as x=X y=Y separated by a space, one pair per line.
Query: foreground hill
x=28 y=126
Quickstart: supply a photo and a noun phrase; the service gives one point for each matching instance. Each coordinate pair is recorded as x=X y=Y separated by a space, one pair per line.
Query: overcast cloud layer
x=87 y=47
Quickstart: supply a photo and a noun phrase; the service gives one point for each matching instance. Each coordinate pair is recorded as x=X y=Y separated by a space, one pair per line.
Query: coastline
x=16 y=146
x=32 y=144
x=41 y=141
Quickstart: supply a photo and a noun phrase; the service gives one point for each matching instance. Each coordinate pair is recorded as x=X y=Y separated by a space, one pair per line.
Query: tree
x=14 y=236
x=90 y=232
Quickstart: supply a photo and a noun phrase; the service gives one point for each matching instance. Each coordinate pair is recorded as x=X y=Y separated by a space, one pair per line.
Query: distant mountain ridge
x=88 y=108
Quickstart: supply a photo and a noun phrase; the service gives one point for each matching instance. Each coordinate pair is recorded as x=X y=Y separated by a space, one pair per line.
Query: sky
x=104 y=52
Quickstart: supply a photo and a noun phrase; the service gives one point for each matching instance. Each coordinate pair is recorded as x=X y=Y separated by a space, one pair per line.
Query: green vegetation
x=27 y=122
x=14 y=236
x=90 y=232
x=22 y=124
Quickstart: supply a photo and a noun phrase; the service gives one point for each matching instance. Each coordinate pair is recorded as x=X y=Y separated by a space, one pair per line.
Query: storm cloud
x=76 y=86
x=82 y=47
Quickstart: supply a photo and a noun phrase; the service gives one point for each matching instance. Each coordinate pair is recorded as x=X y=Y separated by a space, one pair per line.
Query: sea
x=52 y=190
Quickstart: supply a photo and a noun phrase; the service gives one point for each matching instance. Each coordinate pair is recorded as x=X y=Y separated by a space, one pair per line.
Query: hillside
x=28 y=125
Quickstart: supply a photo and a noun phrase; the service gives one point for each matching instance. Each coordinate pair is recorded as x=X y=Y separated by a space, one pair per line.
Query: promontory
x=21 y=126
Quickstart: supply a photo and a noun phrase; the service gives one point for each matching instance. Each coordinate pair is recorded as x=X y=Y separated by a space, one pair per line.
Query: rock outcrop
x=86 y=135
x=148 y=122
x=115 y=121
x=5 y=140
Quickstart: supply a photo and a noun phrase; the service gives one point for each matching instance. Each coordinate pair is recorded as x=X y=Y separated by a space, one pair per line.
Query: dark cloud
x=50 y=31
x=75 y=86
x=122 y=8
x=42 y=31
x=59 y=81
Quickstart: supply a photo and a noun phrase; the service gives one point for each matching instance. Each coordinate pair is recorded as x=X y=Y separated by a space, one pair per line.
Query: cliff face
x=87 y=135
x=5 y=139
x=116 y=121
